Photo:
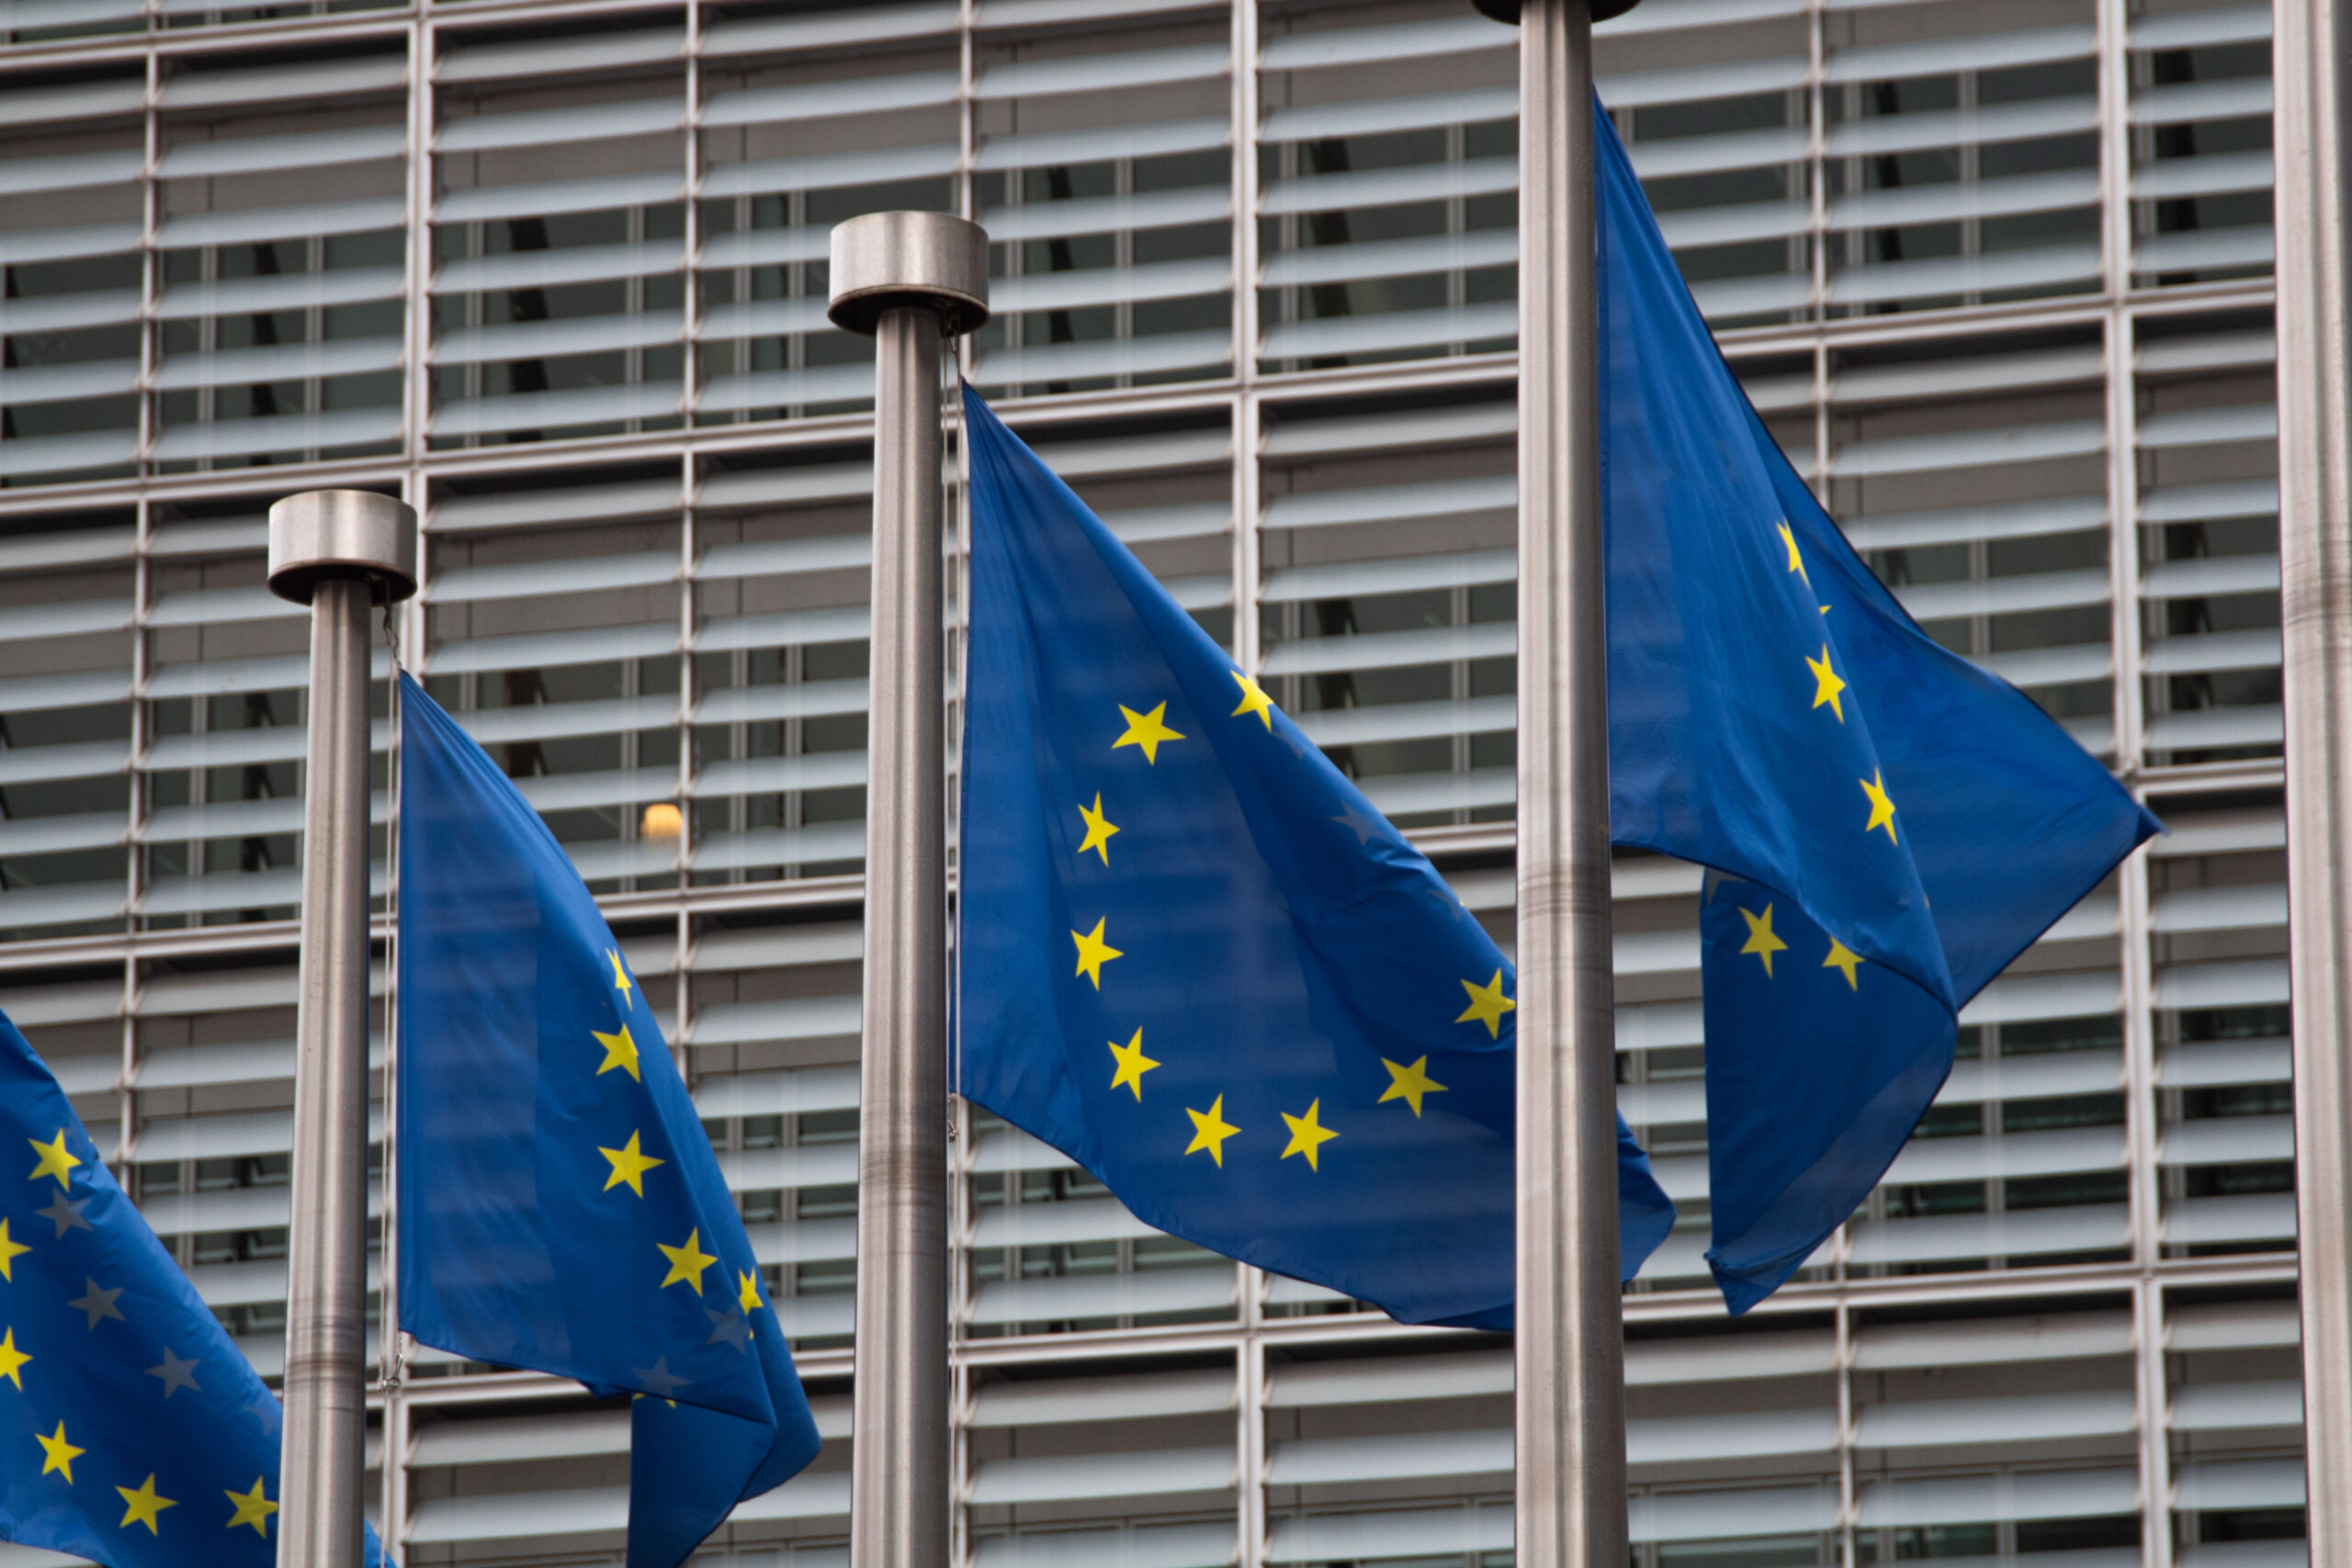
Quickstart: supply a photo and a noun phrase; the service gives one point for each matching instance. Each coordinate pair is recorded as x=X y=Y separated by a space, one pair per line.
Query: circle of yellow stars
x=143 y=1505
x=629 y=1165
x=1410 y=1084
x=1828 y=691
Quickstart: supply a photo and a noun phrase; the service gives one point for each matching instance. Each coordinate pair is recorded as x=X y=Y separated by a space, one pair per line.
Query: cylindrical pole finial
x=323 y=534
x=886 y=259
x=1508 y=10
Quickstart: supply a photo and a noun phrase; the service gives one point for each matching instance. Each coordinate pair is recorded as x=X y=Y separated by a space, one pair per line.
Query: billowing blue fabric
x=1284 y=957
x=530 y=1071
x=1761 y=686
x=127 y=1364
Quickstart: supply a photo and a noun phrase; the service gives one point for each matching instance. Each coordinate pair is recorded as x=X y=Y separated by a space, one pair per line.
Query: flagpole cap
x=1508 y=10
x=323 y=535
x=882 y=260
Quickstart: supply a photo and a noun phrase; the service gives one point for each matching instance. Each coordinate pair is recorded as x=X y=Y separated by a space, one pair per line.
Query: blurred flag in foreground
x=132 y=1431
x=1198 y=961
x=560 y=1207
x=1890 y=825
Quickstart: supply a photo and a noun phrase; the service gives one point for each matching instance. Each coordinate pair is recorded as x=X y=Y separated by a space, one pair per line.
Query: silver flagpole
x=908 y=279
x=2313 y=51
x=1570 y=1340
x=341 y=552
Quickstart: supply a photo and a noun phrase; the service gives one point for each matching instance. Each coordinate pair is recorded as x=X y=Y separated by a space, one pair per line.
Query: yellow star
x=1760 y=940
x=1409 y=1084
x=747 y=1292
x=1796 y=561
x=1307 y=1135
x=1826 y=684
x=1210 y=1131
x=9 y=1252
x=1881 y=808
x=1099 y=829
x=687 y=1262
x=620 y=975
x=12 y=1360
x=1133 y=1064
x=1253 y=700
x=1145 y=729
x=630 y=1164
x=1845 y=960
x=252 y=1508
x=54 y=1161
x=1094 y=952
x=1488 y=1005
x=60 y=1454
x=141 y=1506
x=620 y=1050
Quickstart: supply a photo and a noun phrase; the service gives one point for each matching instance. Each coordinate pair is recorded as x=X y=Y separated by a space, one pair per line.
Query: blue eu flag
x=1890 y=824
x=133 y=1432
x=560 y=1208
x=1197 y=960
x=1886 y=826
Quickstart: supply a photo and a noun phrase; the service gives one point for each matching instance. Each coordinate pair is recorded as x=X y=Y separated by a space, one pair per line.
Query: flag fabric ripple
x=1194 y=957
x=560 y=1207
x=133 y=1432
x=1890 y=825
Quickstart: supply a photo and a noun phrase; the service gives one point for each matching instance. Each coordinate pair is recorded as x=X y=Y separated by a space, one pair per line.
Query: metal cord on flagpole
x=341 y=552
x=2313 y=49
x=908 y=279
x=1571 y=1417
x=392 y=1358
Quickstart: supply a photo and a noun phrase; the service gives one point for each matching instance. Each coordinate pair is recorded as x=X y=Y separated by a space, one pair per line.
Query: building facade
x=1995 y=272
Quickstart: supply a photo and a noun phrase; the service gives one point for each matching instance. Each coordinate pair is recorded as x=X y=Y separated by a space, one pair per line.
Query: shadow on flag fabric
x=560 y=1208
x=1194 y=957
x=132 y=1431
x=1890 y=826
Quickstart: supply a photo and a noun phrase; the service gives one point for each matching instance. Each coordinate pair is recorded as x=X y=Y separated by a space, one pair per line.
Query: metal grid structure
x=553 y=270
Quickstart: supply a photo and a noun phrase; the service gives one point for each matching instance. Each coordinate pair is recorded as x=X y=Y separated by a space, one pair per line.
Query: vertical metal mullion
x=1248 y=644
x=633 y=293
x=1250 y=1453
x=150 y=261
x=1122 y=254
x=1247 y=410
x=2114 y=146
x=417 y=296
x=689 y=553
x=682 y=956
x=1970 y=166
x=315 y=332
x=127 y=1097
x=1846 y=1484
x=690 y=305
x=966 y=194
x=1819 y=475
x=2124 y=629
x=135 y=870
x=2155 y=1453
x=959 y=1395
x=392 y=1525
x=1816 y=157
x=1247 y=327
